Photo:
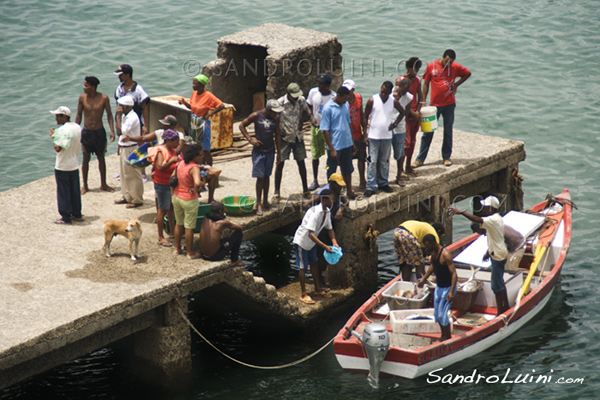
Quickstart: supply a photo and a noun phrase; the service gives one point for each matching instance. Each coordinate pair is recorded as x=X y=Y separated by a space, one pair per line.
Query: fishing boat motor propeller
x=376 y=343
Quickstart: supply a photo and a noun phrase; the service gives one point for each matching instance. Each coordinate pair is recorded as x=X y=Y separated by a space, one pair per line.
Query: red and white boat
x=375 y=338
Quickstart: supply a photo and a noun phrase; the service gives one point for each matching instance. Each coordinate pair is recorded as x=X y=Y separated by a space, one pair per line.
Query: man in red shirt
x=442 y=75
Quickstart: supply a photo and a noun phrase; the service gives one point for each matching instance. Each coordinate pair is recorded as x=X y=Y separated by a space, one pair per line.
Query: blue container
x=333 y=258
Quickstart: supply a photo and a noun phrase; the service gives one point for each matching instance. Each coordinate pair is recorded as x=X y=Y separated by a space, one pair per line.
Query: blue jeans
x=68 y=194
x=448 y=113
x=498 y=275
x=379 y=167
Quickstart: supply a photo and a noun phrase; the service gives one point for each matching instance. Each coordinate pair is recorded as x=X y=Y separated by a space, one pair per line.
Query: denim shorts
x=163 y=196
x=344 y=160
x=262 y=164
x=398 y=145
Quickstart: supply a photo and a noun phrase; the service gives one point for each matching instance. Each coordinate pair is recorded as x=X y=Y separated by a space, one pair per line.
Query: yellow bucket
x=429 y=119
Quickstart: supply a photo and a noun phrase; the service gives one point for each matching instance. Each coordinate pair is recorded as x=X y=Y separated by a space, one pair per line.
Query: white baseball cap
x=62 y=110
x=491 y=201
x=349 y=84
x=126 y=101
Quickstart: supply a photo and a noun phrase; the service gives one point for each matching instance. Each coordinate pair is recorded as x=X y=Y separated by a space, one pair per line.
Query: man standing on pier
x=266 y=142
x=66 y=169
x=295 y=110
x=316 y=100
x=335 y=125
x=359 y=131
x=442 y=75
x=129 y=87
x=92 y=105
x=379 y=110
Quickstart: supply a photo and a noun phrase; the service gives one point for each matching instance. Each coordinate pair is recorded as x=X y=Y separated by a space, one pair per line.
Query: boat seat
x=523 y=223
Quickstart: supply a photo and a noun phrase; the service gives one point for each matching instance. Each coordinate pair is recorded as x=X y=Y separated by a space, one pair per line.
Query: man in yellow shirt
x=408 y=243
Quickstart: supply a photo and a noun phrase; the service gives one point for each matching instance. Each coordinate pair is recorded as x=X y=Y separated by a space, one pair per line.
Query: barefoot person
x=315 y=220
x=399 y=132
x=443 y=267
x=212 y=247
x=92 y=105
x=266 y=141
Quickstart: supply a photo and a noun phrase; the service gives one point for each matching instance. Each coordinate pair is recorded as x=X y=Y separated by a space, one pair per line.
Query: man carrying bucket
x=442 y=75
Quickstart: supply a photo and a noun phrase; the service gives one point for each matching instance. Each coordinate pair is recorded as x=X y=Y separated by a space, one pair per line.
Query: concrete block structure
x=266 y=58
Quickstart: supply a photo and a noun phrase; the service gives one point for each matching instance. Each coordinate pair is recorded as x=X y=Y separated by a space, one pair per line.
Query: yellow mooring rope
x=308 y=357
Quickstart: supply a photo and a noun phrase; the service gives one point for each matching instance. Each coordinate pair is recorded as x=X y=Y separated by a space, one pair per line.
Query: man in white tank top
x=378 y=112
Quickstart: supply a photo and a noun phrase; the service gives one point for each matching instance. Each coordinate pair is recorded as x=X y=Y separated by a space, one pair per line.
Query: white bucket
x=429 y=119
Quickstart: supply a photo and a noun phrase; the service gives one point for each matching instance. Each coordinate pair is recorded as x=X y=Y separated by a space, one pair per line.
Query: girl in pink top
x=185 y=198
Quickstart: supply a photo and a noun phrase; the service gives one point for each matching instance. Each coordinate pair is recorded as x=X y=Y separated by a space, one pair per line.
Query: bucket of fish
x=406 y=295
x=465 y=296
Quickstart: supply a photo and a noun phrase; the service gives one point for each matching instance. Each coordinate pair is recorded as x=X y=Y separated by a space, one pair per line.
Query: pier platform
x=60 y=297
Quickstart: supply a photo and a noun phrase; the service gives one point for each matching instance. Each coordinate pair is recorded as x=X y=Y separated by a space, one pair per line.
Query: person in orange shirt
x=203 y=104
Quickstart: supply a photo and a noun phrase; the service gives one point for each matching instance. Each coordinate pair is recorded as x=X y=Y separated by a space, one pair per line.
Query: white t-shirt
x=68 y=159
x=381 y=118
x=314 y=221
x=404 y=101
x=130 y=126
x=494 y=227
x=318 y=101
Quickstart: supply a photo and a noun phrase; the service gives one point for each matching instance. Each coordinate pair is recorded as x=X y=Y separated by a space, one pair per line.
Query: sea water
x=536 y=79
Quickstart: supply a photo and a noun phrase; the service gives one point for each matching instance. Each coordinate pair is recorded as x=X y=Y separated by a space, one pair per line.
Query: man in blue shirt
x=335 y=124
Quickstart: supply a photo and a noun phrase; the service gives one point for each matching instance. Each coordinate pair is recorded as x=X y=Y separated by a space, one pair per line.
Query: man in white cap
x=295 y=111
x=67 y=144
x=132 y=186
x=359 y=130
x=497 y=252
x=266 y=141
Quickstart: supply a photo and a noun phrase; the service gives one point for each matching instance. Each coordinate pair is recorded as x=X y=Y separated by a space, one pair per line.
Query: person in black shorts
x=92 y=105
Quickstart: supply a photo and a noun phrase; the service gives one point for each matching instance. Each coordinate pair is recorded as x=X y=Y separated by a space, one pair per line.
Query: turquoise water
x=536 y=78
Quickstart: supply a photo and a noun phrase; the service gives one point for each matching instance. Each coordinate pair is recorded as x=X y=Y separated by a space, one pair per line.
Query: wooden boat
x=414 y=349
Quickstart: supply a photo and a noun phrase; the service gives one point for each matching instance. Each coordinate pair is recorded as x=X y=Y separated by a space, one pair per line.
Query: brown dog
x=132 y=230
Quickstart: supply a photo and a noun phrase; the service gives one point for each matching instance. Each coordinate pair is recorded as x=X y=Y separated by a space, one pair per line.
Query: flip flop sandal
x=60 y=221
x=307 y=300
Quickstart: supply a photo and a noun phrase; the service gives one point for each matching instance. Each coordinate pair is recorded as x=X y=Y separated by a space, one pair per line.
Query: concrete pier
x=61 y=298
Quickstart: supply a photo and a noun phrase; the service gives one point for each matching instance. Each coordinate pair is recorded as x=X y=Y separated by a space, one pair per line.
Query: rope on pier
x=282 y=366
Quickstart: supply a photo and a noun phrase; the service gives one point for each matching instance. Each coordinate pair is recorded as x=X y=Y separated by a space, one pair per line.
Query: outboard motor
x=376 y=342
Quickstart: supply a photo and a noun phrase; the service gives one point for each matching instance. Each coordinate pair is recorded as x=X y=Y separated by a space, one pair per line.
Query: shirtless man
x=93 y=136
x=212 y=247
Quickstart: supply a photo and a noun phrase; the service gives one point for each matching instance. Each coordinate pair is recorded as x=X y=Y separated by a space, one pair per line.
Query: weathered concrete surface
x=60 y=297
x=267 y=58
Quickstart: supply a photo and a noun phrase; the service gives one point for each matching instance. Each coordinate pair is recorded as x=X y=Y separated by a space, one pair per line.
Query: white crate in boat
x=400 y=323
x=399 y=302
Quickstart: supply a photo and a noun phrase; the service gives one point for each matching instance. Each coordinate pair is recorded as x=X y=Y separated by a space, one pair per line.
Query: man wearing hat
x=316 y=100
x=129 y=87
x=204 y=105
x=295 y=111
x=266 y=141
x=338 y=203
x=67 y=144
x=497 y=250
x=132 y=185
x=359 y=130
